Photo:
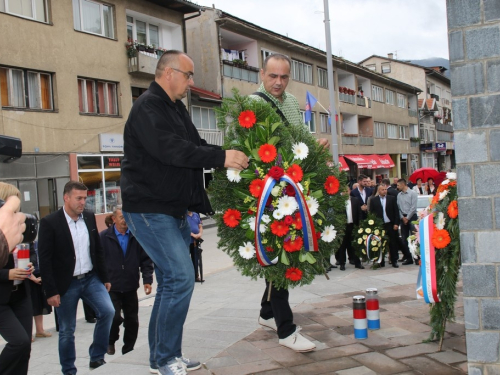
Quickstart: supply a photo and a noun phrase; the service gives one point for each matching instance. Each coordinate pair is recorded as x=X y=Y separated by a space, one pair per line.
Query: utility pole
x=331 y=91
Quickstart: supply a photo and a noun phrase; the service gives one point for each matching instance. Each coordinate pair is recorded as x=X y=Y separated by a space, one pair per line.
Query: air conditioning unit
x=10 y=149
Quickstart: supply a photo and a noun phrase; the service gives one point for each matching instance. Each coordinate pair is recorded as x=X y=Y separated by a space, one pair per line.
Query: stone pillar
x=474 y=42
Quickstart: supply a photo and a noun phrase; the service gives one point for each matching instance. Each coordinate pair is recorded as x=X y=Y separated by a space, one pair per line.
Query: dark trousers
x=193 y=250
x=16 y=319
x=129 y=303
x=347 y=245
x=406 y=231
x=393 y=242
x=279 y=309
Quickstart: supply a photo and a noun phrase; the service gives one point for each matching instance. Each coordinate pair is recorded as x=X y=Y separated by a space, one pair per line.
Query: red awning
x=386 y=161
x=361 y=160
x=343 y=164
x=204 y=94
x=372 y=161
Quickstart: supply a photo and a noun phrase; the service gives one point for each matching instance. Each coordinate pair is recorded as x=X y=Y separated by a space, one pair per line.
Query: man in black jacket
x=125 y=258
x=385 y=207
x=162 y=178
x=362 y=192
x=72 y=267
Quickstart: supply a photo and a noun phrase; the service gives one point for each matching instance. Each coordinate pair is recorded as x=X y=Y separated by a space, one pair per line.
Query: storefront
x=374 y=166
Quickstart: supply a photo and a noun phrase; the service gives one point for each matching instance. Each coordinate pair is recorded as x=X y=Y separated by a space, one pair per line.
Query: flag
x=310 y=102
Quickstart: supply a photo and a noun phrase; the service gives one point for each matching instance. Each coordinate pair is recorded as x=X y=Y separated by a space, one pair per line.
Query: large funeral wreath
x=284 y=216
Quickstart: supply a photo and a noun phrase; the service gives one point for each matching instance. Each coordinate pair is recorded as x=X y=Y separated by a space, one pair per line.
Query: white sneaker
x=269 y=323
x=174 y=367
x=153 y=370
x=297 y=342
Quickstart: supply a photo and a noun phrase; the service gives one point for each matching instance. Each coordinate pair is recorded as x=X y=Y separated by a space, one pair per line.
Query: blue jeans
x=92 y=291
x=166 y=240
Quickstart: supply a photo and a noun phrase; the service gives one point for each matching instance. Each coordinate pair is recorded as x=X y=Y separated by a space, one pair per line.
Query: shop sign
x=111 y=142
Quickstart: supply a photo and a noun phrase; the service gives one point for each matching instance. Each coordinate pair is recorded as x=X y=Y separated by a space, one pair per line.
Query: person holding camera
x=16 y=312
x=196 y=232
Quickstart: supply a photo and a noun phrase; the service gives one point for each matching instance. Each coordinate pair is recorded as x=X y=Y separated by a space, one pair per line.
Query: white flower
x=451 y=175
x=247 y=251
x=329 y=233
x=412 y=246
x=283 y=183
x=266 y=219
x=287 y=205
x=276 y=191
x=441 y=221
x=251 y=223
x=312 y=204
x=300 y=150
x=277 y=214
x=443 y=194
x=445 y=182
x=233 y=175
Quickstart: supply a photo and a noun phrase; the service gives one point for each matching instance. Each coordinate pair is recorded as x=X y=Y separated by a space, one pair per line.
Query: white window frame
x=371 y=67
x=414 y=131
x=377 y=93
x=4 y=8
x=265 y=53
x=323 y=120
x=202 y=127
x=392 y=131
x=403 y=132
x=380 y=129
x=310 y=124
x=401 y=100
x=95 y=96
x=148 y=35
x=387 y=67
x=432 y=137
x=101 y=7
x=302 y=72
x=322 y=77
x=389 y=97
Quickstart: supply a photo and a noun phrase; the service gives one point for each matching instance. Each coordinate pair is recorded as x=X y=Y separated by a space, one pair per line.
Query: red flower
x=269 y=249
x=288 y=220
x=295 y=172
x=256 y=187
x=440 y=238
x=247 y=119
x=279 y=228
x=293 y=274
x=267 y=153
x=276 y=173
x=297 y=221
x=250 y=212
x=290 y=191
x=453 y=210
x=318 y=235
x=332 y=185
x=232 y=217
x=294 y=245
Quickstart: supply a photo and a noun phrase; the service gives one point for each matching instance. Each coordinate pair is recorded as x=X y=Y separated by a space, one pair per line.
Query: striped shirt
x=289 y=106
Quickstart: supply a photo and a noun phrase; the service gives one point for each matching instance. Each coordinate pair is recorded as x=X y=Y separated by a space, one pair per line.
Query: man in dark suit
x=362 y=192
x=73 y=267
x=392 y=190
x=353 y=212
x=386 y=208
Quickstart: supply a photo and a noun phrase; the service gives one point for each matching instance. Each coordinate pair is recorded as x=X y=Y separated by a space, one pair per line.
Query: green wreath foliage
x=377 y=247
x=230 y=195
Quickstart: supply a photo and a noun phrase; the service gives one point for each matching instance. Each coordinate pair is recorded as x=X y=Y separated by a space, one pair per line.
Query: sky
x=411 y=29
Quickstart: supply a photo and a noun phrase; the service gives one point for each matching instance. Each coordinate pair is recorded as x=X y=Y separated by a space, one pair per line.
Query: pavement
x=222 y=332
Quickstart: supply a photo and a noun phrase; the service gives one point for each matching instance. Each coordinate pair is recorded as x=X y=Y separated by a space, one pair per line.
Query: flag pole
x=331 y=91
x=321 y=105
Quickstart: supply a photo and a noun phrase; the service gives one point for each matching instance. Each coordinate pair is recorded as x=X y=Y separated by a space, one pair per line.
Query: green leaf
x=275 y=126
x=302 y=257
x=245 y=225
x=247 y=143
x=321 y=214
x=241 y=194
x=316 y=194
x=310 y=258
x=250 y=234
x=261 y=133
x=284 y=258
x=255 y=154
x=273 y=140
x=248 y=175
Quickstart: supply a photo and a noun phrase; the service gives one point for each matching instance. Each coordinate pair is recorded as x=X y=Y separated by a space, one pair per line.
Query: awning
x=372 y=161
x=343 y=164
x=204 y=94
x=360 y=160
x=385 y=161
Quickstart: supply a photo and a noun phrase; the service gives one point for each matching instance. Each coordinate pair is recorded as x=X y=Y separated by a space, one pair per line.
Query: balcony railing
x=366 y=141
x=444 y=127
x=244 y=73
x=144 y=64
x=413 y=113
x=213 y=137
x=414 y=144
x=354 y=139
x=347 y=98
x=364 y=102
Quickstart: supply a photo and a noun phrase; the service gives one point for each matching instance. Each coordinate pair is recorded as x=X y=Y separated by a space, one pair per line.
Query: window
x=386 y=68
x=265 y=53
x=371 y=67
x=311 y=124
x=322 y=78
x=301 y=71
x=392 y=131
x=325 y=126
x=413 y=131
x=431 y=136
x=377 y=93
x=379 y=130
x=97 y=97
x=33 y=9
x=35 y=93
x=403 y=132
x=389 y=97
x=203 y=118
x=401 y=100
x=143 y=32
x=136 y=92
x=93 y=17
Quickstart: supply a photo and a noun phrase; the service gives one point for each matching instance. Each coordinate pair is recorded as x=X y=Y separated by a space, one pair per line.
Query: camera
x=31 y=222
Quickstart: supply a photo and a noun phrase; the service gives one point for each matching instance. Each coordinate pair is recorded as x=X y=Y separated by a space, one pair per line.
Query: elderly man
x=162 y=178
x=407 y=203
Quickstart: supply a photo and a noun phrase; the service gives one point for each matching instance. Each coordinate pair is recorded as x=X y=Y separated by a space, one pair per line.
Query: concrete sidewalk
x=222 y=331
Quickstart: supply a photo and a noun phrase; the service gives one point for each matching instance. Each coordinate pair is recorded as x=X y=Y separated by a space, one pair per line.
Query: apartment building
x=434 y=104
x=375 y=115
x=67 y=84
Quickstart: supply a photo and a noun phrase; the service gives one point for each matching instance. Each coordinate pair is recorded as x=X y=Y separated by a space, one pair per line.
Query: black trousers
x=129 y=304
x=16 y=320
x=279 y=309
x=406 y=230
x=193 y=250
x=347 y=245
x=393 y=242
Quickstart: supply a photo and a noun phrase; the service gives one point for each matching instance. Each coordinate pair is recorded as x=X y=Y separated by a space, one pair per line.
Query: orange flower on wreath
x=293 y=245
x=247 y=119
x=293 y=274
x=453 y=183
x=295 y=172
x=279 y=228
x=297 y=221
x=232 y=217
x=267 y=153
x=453 y=209
x=332 y=185
x=256 y=187
x=440 y=238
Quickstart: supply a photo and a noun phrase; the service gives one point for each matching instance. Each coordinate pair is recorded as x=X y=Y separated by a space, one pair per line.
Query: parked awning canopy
x=343 y=164
x=205 y=95
x=372 y=161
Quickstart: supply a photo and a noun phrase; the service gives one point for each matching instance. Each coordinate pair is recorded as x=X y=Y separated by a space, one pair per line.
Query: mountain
x=434 y=61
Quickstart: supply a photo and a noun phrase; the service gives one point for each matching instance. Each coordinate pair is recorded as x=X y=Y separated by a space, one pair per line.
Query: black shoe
x=328 y=269
x=91 y=320
x=97 y=363
x=382 y=264
x=337 y=263
x=359 y=266
x=332 y=266
x=406 y=262
x=342 y=267
x=352 y=262
x=403 y=259
x=111 y=349
x=395 y=265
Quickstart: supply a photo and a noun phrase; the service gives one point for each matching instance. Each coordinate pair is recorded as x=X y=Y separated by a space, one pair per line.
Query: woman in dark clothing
x=431 y=188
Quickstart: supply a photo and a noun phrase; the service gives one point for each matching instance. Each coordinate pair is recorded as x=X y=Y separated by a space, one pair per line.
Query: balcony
x=366 y=141
x=355 y=139
x=241 y=72
x=412 y=113
x=347 y=98
x=143 y=64
x=364 y=101
x=444 y=127
x=212 y=137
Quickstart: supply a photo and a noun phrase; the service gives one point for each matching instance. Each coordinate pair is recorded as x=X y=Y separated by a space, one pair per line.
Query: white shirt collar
x=69 y=219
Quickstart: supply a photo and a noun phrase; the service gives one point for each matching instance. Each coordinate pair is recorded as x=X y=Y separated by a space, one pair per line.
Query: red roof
x=205 y=93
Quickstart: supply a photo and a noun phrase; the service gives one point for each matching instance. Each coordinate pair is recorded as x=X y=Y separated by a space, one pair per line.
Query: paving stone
x=392 y=332
x=455 y=343
x=331 y=321
x=325 y=367
x=247 y=368
x=281 y=371
x=287 y=357
x=266 y=344
x=414 y=338
x=428 y=366
x=361 y=370
x=409 y=325
x=341 y=351
x=377 y=342
x=380 y=363
x=244 y=352
x=448 y=357
x=455 y=328
x=261 y=334
x=218 y=362
x=412 y=350
x=332 y=338
x=462 y=366
x=311 y=327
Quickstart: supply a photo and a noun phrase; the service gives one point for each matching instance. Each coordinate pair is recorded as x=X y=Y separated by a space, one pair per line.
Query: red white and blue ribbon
x=310 y=241
x=368 y=242
x=427 y=274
